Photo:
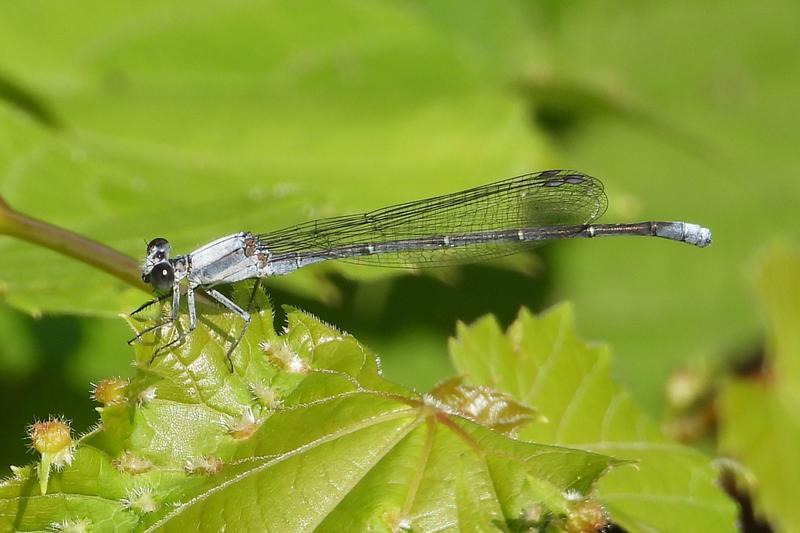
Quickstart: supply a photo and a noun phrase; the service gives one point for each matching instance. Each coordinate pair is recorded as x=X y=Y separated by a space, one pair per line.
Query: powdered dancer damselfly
x=479 y=223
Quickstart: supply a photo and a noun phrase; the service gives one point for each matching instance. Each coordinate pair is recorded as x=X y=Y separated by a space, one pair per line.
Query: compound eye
x=162 y=276
x=158 y=248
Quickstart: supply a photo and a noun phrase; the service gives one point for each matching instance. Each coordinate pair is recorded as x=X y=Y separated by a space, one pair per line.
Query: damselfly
x=479 y=223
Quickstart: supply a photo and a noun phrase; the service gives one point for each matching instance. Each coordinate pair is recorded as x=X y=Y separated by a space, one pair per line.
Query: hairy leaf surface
x=541 y=363
x=303 y=434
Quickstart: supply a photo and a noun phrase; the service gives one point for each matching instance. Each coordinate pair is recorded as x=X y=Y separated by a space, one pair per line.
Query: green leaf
x=265 y=128
x=758 y=416
x=540 y=363
x=303 y=434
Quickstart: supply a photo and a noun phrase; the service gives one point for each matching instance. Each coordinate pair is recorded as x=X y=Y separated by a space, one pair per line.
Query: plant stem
x=71 y=244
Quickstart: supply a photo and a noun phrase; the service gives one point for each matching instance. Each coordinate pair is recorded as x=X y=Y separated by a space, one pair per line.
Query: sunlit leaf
x=303 y=434
x=542 y=364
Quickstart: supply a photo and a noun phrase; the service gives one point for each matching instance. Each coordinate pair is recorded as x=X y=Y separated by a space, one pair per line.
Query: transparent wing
x=548 y=198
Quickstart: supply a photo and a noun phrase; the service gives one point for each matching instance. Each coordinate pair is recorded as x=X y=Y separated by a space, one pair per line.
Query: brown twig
x=66 y=242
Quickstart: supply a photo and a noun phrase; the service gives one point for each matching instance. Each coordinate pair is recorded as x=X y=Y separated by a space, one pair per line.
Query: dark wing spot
x=574 y=179
x=549 y=174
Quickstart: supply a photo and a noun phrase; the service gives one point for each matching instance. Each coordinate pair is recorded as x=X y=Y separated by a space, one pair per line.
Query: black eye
x=162 y=276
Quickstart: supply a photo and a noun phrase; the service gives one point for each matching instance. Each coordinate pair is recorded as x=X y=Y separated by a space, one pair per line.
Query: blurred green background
x=129 y=120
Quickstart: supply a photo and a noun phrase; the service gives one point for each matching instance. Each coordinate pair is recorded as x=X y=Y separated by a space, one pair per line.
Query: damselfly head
x=157 y=269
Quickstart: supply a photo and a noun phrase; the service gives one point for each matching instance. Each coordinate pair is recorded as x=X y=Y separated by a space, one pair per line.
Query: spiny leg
x=192 y=309
x=145 y=331
x=192 y=319
x=256 y=286
x=141 y=308
x=149 y=303
x=176 y=302
x=221 y=298
x=178 y=338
